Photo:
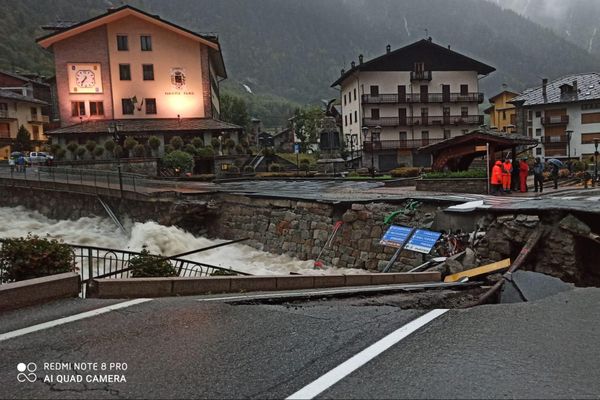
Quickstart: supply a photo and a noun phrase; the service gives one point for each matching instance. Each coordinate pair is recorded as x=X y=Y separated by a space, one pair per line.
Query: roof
x=491 y=99
x=500 y=139
x=23 y=78
x=435 y=57
x=10 y=95
x=65 y=31
x=588 y=88
x=147 y=125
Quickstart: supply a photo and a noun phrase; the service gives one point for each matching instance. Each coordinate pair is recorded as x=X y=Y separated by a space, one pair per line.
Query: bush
x=205 y=152
x=189 y=148
x=32 y=257
x=60 y=154
x=197 y=142
x=176 y=142
x=579 y=166
x=239 y=149
x=139 y=150
x=215 y=143
x=353 y=174
x=563 y=173
x=98 y=151
x=248 y=169
x=154 y=143
x=179 y=160
x=275 y=167
x=169 y=149
x=109 y=145
x=472 y=173
x=147 y=265
x=405 y=172
x=304 y=164
x=80 y=152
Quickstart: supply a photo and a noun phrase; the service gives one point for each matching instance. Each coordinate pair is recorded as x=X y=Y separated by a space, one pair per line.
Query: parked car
x=40 y=157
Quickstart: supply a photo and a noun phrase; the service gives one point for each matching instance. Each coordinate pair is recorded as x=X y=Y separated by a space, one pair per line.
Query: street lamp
x=595 y=162
x=352 y=139
x=115 y=129
x=374 y=138
x=569 y=134
x=365 y=132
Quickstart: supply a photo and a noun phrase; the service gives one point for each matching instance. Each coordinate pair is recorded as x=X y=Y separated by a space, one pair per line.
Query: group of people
x=508 y=176
x=19 y=164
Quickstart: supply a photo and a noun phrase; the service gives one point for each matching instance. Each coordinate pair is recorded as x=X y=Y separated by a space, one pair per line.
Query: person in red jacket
x=496 y=178
x=523 y=172
x=506 y=175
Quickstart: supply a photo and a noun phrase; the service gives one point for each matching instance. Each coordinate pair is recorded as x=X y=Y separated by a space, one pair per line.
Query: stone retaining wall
x=455 y=185
x=301 y=229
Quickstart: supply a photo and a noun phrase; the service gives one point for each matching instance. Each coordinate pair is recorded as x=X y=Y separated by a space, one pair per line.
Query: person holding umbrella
x=538 y=175
x=556 y=165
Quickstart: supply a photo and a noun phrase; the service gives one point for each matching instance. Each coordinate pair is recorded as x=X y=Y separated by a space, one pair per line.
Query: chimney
x=343 y=71
x=360 y=58
x=448 y=47
x=544 y=85
x=429 y=39
x=353 y=64
x=575 y=86
x=388 y=48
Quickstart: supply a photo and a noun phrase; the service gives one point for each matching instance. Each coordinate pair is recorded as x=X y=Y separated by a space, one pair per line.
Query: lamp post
x=365 y=132
x=374 y=137
x=115 y=129
x=595 y=162
x=569 y=134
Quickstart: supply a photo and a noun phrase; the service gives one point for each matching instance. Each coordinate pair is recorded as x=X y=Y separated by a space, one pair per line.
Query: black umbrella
x=556 y=162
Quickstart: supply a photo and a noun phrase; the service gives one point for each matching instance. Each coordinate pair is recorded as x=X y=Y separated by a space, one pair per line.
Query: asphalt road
x=185 y=348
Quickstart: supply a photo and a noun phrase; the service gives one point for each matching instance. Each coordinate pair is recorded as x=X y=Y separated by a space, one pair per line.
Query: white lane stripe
x=323 y=383
x=65 y=320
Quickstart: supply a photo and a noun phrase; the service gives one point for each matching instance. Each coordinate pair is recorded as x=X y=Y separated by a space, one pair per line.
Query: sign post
x=487 y=165
x=297 y=151
x=402 y=237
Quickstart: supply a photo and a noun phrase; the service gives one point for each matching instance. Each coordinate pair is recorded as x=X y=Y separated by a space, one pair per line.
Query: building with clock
x=137 y=72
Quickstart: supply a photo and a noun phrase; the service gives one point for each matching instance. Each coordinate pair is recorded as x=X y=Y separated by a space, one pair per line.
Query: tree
x=154 y=143
x=72 y=147
x=306 y=124
x=60 y=154
x=109 y=145
x=80 y=152
x=197 y=142
x=234 y=110
x=179 y=160
x=99 y=151
x=129 y=144
x=176 y=142
x=90 y=145
x=23 y=140
x=190 y=149
x=139 y=150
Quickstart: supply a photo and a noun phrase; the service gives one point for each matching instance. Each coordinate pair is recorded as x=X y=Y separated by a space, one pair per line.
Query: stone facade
x=301 y=229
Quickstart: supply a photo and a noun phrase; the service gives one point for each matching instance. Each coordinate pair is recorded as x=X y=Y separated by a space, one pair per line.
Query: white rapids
x=158 y=239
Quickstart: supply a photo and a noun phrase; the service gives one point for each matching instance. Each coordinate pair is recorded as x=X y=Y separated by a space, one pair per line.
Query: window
x=127 y=106
x=344 y=99
x=447 y=134
x=464 y=90
x=538 y=114
x=124 y=72
x=148 y=72
x=419 y=67
x=34 y=112
x=538 y=151
x=530 y=132
x=146 y=42
x=529 y=115
x=77 y=108
x=4 y=130
x=354 y=94
x=425 y=137
x=96 y=108
x=375 y=113
x=36 y=132
x=351 y=119
x=122 y=43
x=345 y=120
x=464 y=111
x=374 y=90
x=356 y=116
x=150 y=106
x=349 y=97
x=504 y=115
x=538 y=132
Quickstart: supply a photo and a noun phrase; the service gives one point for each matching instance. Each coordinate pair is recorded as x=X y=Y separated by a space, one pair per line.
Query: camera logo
x=26 y=372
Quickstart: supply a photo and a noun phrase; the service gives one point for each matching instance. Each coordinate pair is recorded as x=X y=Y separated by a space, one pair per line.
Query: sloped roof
x=435 y=57
x=147 y=125
x=10 y=95
x=22 y=78
x=588 y=88
x=481 y=136
x=68 y=30
x=491 y=99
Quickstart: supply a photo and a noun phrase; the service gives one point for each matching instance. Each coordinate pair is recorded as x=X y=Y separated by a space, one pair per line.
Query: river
x=158 y=239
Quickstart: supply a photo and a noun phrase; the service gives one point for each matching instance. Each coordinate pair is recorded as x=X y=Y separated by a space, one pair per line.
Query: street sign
x=395 y=236
x=296 y=148
x=422 y=241
x=480 y=148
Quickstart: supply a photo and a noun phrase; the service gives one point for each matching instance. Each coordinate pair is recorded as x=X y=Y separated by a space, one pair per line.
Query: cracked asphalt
x=184 y=348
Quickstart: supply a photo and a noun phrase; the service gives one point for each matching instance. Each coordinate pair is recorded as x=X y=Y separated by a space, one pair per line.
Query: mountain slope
x=295 y=49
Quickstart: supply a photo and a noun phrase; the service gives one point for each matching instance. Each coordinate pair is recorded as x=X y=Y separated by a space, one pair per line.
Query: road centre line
x=65 y=320
x=334 y=291
x=332 y=377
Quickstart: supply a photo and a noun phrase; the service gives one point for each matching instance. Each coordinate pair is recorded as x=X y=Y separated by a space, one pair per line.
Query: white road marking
x=332 y=377
x=571 y=197
x=332 y=291
x=65 y=320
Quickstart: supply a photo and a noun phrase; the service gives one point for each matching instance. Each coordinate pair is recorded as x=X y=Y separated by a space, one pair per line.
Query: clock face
x=85 y=78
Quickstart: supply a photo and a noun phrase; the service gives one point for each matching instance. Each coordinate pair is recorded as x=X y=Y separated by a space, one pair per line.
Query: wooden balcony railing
x=42 y=119
x=555 y=120
x=398 y=144
x=424 y=121
x=555 y=141
x=394 y=98
x=8 y=114
x=420 y=75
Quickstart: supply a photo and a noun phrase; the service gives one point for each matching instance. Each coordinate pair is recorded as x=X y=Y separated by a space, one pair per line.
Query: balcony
x=555 y=141
x=392 y=98
x=398 y=144
x=555 y=120
x=424 y=121
x=420 y=76
x=8 y=114
x=38 y=119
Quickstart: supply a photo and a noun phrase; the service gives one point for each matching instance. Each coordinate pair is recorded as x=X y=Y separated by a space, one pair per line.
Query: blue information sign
x=423 y=241
x=296 y=148
x=395 y=236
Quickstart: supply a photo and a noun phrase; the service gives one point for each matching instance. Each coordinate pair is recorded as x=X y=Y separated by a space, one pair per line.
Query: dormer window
x=419 y=66
x=566 y=89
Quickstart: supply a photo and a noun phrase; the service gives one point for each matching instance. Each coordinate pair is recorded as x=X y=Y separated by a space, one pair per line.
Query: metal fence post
x=90 y=265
